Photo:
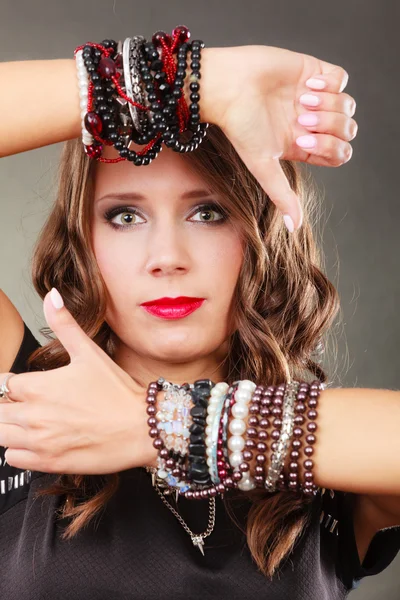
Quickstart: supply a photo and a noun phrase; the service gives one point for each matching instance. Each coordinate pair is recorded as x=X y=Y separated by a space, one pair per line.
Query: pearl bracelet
x=237 y=427
x=83 y=80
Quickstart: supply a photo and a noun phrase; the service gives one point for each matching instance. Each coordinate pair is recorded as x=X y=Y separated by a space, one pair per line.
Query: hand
x=88 y=417
x=252 y=93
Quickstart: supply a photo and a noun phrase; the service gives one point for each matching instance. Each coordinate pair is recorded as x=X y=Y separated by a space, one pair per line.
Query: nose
x=168 y=252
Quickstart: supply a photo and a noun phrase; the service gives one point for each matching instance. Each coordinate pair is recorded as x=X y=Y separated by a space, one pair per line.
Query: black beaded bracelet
x=198 y=471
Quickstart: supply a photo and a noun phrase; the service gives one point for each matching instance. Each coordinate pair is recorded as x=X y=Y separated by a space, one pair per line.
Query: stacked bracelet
x=133 y=92
x=231 y=426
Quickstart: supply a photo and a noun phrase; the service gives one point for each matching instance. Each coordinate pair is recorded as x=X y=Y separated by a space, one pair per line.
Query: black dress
x=138 y=550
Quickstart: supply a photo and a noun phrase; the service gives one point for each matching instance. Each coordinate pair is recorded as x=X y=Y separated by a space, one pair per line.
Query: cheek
x=114 y=259
x=224 y=257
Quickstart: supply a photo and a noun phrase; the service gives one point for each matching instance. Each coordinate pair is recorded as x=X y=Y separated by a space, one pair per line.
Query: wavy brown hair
x=284 y=309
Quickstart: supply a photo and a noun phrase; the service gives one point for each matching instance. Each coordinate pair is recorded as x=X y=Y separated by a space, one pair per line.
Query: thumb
x=254 y=138
x=274 y=181
x=63 y=324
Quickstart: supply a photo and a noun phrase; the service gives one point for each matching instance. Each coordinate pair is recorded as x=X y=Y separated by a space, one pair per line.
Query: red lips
x=173 y=308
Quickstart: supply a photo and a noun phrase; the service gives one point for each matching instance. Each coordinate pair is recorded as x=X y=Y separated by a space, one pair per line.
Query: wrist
x=148 y=454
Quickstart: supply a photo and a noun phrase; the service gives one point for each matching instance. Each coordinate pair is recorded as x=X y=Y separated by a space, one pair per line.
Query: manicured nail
x=318 y=84
x=306 y=141
x=308 y=119
x=289 y=223
x=309 y=99
x=56 y=299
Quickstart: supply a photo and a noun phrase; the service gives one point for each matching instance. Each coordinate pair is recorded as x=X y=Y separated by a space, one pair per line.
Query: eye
x=129 y=217
x=209 y=213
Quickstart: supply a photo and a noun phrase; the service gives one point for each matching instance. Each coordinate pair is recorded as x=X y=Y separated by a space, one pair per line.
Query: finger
x=332 y=123
x=25 y=459
x=335 y=82
x=272 y=178
x=10 y=387
x=268 y=172
x=328 y=150
x=13 y=436
x=252 y=135
x=342 y=103
x=15 y=413
x=332 y=79
x=27 y=387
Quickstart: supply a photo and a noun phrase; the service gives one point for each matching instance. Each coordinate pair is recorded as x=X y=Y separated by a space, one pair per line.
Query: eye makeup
x=209 y=207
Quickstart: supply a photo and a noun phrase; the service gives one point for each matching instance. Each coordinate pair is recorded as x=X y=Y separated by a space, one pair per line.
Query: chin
x=181 y=345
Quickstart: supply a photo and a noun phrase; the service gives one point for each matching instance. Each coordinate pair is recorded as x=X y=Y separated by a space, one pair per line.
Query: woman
x=259 y=318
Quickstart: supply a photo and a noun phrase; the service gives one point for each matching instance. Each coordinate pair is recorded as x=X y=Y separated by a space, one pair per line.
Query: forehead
x=169 y=171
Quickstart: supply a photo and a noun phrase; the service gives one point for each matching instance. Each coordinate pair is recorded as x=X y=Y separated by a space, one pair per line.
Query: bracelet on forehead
x=133 y=91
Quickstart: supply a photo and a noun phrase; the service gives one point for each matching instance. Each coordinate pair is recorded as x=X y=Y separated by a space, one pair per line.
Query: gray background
x=360 y=199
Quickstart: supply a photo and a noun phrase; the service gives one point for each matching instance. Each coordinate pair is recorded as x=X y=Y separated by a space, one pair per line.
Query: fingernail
x=308 y=119
x=306 y=141
x=309 y=99
x=56 y=299
x=318 y=84
x=289 y=223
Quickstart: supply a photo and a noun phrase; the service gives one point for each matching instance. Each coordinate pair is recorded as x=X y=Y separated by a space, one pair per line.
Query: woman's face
x=164 y=237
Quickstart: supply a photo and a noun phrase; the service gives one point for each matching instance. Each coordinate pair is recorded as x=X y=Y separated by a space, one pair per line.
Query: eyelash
x=113 y=212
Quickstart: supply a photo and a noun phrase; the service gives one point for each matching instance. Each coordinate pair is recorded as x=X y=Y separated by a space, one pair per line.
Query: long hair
x=284 y=307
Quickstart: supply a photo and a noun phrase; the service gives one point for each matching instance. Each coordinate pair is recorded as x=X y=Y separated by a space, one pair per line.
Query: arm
x=51 y=108
x=358 y=451
x=251 y=92
x=67 y=427
x=358 y=445
x=49 y=111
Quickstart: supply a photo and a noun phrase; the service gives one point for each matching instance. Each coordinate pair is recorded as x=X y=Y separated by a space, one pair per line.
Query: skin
x=169 y=249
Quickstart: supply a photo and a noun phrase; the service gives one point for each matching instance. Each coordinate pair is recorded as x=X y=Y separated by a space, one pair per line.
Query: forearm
x=358 y=445
x=48 y=108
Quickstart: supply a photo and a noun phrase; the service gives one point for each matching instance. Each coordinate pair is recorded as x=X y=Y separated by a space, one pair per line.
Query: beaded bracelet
x=168 y=469
x=198 y=471
x=225 y=471
x=312 y=414
x=257 y=424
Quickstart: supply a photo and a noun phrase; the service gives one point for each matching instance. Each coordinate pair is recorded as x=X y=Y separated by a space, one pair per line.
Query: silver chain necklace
x=197 y=538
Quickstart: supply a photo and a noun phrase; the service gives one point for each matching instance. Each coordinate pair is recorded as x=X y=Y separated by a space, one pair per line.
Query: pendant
x=199 y=542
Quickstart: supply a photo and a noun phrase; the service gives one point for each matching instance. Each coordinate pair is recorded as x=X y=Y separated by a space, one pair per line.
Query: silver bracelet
x=214 y=410
x=283 y=443
x=130 y=63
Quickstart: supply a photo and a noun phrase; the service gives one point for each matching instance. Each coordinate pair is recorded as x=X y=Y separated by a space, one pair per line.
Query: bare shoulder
x=12 y=332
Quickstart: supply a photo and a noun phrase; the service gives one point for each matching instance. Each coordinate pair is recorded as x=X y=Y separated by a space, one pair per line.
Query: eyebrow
x=126 y=196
